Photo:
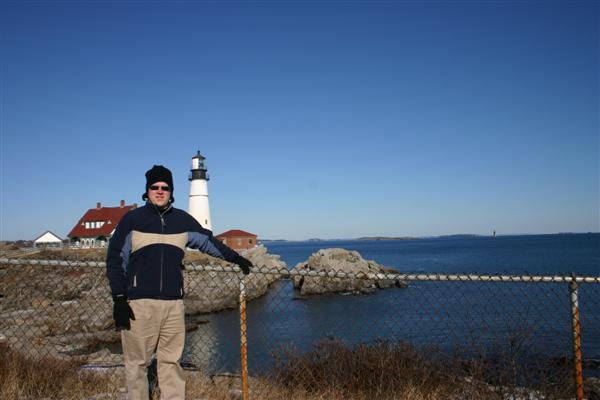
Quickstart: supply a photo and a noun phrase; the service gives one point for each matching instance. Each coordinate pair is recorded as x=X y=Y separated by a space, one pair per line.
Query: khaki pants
x=159 y=327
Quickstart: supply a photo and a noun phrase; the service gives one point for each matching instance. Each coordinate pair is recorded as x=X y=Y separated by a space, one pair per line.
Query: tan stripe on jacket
x=142 y=239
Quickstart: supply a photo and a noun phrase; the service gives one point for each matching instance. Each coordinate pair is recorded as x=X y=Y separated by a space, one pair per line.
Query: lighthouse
x=198 y=205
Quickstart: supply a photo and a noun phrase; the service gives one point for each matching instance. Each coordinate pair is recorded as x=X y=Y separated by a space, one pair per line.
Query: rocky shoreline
x=66 y=312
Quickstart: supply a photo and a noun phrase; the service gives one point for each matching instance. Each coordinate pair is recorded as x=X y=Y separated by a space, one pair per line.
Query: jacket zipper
x=162 y=230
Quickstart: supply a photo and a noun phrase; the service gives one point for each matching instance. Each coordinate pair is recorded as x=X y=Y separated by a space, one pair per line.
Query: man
x=144 y=271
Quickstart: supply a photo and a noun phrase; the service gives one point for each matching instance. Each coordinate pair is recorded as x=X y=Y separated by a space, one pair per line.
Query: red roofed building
x=97 y=225
x=238 y=239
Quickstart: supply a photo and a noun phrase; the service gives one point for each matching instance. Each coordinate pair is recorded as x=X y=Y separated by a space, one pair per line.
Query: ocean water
x=526 y=254
x=479 y=317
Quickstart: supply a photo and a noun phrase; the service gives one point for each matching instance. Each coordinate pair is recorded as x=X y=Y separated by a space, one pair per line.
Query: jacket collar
x=155 y=210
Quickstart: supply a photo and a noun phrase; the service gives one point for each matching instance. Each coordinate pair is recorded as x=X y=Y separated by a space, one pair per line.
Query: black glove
x=244 y=264
x=122 y=313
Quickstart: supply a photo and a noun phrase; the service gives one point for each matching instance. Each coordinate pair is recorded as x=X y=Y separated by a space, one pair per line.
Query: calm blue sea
x=482 y=317
x=526 y=254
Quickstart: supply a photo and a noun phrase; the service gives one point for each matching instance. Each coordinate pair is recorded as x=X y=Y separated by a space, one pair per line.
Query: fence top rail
x=286 y=273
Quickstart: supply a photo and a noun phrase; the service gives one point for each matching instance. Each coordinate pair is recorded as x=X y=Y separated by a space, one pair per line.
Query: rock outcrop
x=343 y=262
x=208 y=291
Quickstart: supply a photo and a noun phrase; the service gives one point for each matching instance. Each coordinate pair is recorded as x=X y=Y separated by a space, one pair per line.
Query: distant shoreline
x=370 y=238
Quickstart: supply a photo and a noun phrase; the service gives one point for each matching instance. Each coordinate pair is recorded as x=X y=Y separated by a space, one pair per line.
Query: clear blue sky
x=318 y=119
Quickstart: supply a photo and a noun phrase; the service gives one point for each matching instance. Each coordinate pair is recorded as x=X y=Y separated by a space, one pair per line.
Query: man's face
x=159 y=194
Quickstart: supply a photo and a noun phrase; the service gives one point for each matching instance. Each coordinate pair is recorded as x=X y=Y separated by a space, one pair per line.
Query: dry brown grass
x=45 y=378
x=66 y=254
x=8 y=247
x=387 y=370
x=379 y=371
x=332 y=371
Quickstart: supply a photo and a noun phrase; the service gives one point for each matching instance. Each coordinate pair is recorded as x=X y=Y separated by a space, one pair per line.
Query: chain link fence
x=328 y=335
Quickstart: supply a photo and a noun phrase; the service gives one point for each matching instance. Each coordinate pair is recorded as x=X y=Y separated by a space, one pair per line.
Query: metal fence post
x=243 y=340
x=577 y=358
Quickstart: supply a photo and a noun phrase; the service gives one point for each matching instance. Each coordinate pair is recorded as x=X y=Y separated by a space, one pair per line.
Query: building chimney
x=98 y=205
x=122 y=203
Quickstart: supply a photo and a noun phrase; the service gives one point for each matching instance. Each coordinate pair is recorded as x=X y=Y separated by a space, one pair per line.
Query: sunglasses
x=163 y=188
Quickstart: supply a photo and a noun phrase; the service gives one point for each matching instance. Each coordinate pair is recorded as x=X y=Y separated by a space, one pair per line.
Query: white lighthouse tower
x=198 y=205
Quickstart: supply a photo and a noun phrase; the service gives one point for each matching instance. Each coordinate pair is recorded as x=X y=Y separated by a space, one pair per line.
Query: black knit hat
x=158 y=173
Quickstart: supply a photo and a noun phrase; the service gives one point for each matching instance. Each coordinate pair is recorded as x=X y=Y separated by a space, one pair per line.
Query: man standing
x=146 y=280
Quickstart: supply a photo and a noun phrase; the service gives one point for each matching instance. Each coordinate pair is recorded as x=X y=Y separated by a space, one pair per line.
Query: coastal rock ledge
x=344 y=261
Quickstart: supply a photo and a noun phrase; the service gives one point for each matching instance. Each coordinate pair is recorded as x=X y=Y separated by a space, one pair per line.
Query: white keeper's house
x=48 y=239
x=97 y=225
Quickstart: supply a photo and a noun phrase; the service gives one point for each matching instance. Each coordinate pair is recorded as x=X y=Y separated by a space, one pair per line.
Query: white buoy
x=198 y=204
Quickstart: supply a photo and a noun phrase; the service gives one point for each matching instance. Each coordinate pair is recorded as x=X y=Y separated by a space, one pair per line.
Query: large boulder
x=211 y=291
x=342 y=262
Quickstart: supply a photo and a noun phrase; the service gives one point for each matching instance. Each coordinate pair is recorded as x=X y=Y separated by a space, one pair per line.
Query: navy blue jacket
x=145 y=253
